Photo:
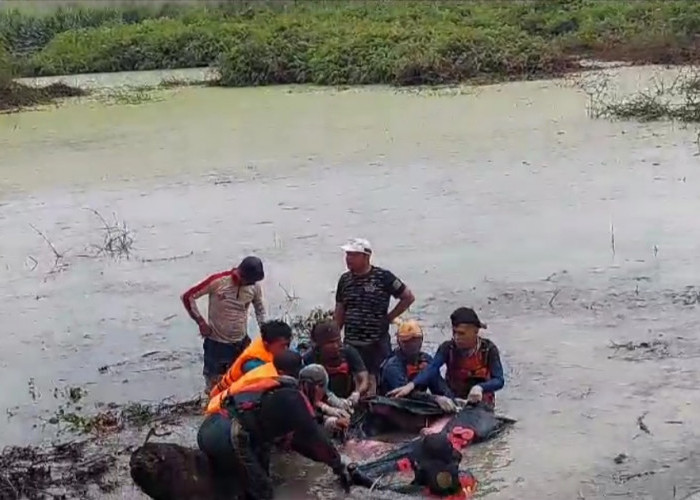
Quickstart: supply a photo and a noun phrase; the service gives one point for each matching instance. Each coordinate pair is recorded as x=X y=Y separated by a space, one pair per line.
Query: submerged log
x=168 y=471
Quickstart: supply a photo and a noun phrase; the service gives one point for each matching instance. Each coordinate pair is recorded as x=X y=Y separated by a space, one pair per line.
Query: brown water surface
x=506 y=198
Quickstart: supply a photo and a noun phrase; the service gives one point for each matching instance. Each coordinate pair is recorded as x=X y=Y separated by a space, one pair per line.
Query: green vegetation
x=663 y=98
x=14 y=96
x=5 y=67
x=353 y=42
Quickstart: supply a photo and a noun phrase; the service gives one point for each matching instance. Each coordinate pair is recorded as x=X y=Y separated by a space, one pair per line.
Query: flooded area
x=575 y=239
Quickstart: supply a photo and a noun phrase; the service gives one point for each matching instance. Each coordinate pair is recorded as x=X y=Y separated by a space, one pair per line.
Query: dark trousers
x=218 y=358
x=374 y=354
x=240 y=465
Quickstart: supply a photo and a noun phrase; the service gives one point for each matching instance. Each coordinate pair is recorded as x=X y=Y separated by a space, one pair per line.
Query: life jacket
x=266 y=371
x=417 y=366
x=256 y=350
x=464 y=372
x=340 y=378
x=244 y=404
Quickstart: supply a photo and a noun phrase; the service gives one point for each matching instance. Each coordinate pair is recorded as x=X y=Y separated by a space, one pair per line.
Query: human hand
x=204 y=329
x=346 y=405
x=354 y=398
x=446 y=404
x=476 y=394
x=336 y=412
x=402 y=391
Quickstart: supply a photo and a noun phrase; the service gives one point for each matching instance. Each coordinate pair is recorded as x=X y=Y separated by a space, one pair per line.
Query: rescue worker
x=334 y=420
x=273 y=411
x=474 y=369
x=348 y=377
x=225 y=331
x=362 y=300
x=408 y=360
x=275 y=337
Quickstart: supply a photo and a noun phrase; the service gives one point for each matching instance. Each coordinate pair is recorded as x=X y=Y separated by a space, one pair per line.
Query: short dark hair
x=323 y=331
x=288 y=363
x=275 y=329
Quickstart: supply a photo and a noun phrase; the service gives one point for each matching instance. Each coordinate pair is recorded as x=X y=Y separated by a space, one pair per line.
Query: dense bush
x=5 y=66
x=151 y=44
x=357 y=42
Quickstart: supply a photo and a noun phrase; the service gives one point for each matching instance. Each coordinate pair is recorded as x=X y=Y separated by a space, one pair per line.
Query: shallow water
x=502 y=197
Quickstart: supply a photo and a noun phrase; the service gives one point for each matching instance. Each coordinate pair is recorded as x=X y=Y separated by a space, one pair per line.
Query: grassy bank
x=15 y=96
x=324 y=42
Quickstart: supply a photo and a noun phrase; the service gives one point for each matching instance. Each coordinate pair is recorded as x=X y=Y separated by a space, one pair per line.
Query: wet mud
x=575 y=239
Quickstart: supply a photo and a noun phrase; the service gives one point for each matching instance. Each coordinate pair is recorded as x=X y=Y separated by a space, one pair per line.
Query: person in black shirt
x=348 y=377
x=362 y=300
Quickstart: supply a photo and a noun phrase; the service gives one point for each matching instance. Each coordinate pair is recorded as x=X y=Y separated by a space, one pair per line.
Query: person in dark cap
x=348 y=377
x=225 y=330
x=474 y=370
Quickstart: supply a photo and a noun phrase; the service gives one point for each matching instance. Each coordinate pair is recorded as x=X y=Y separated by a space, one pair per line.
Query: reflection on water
x=502 y=198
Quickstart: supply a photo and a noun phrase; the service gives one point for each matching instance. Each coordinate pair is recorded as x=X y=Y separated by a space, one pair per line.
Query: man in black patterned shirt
x=362 y=301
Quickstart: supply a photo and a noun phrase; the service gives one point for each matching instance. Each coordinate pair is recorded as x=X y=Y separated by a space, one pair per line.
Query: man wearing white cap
x=362 y=300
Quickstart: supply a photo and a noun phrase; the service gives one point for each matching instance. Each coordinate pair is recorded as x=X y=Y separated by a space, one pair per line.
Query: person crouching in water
x=275 y=337
x=238 y=436
x=407 y=361
x=348 y=377
x=474 y=370
x=334 y=419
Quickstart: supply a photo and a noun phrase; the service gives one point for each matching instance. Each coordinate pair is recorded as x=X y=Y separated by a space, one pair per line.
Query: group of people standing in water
x=262 y=393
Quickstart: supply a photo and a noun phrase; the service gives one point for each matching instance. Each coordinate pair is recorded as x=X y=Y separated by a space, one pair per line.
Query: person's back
x=266 y=371
x=239 y=436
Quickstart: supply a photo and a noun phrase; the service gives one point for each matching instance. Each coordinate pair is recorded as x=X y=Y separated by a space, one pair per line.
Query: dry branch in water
x=59 y=264
x=117 y=240
x=677 y=99
x=115 y=419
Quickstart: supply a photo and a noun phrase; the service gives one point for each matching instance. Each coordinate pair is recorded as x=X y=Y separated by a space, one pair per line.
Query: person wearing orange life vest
x=275 y=337
x=348 y=376
x=266 y=371
x=268 y=411
x=474 y=369
x=408 y=360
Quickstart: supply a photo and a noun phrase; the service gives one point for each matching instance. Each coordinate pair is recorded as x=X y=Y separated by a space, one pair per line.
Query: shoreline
x=345 y=43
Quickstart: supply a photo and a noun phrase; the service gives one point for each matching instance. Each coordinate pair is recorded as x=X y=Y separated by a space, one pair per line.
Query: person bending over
x=268 y=412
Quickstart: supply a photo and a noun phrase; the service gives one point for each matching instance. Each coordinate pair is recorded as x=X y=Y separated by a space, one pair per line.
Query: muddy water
x=504 y=197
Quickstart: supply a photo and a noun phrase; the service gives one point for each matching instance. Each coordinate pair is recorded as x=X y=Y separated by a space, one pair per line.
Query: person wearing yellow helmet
x=408 y=360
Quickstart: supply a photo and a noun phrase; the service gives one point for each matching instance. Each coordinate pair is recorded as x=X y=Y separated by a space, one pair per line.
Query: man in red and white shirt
x=225 y=330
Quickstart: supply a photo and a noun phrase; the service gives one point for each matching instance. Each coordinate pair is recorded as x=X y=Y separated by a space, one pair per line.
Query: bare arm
x=405 y=300
x=339 y=315
x=259 y=305
x=339 y=312
x=362 y=382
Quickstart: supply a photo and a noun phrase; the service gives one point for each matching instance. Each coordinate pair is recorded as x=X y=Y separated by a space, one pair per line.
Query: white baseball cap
x=359 y=245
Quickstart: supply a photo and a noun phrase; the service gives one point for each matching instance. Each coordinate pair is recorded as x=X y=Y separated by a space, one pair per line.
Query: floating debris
x=60 y=471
